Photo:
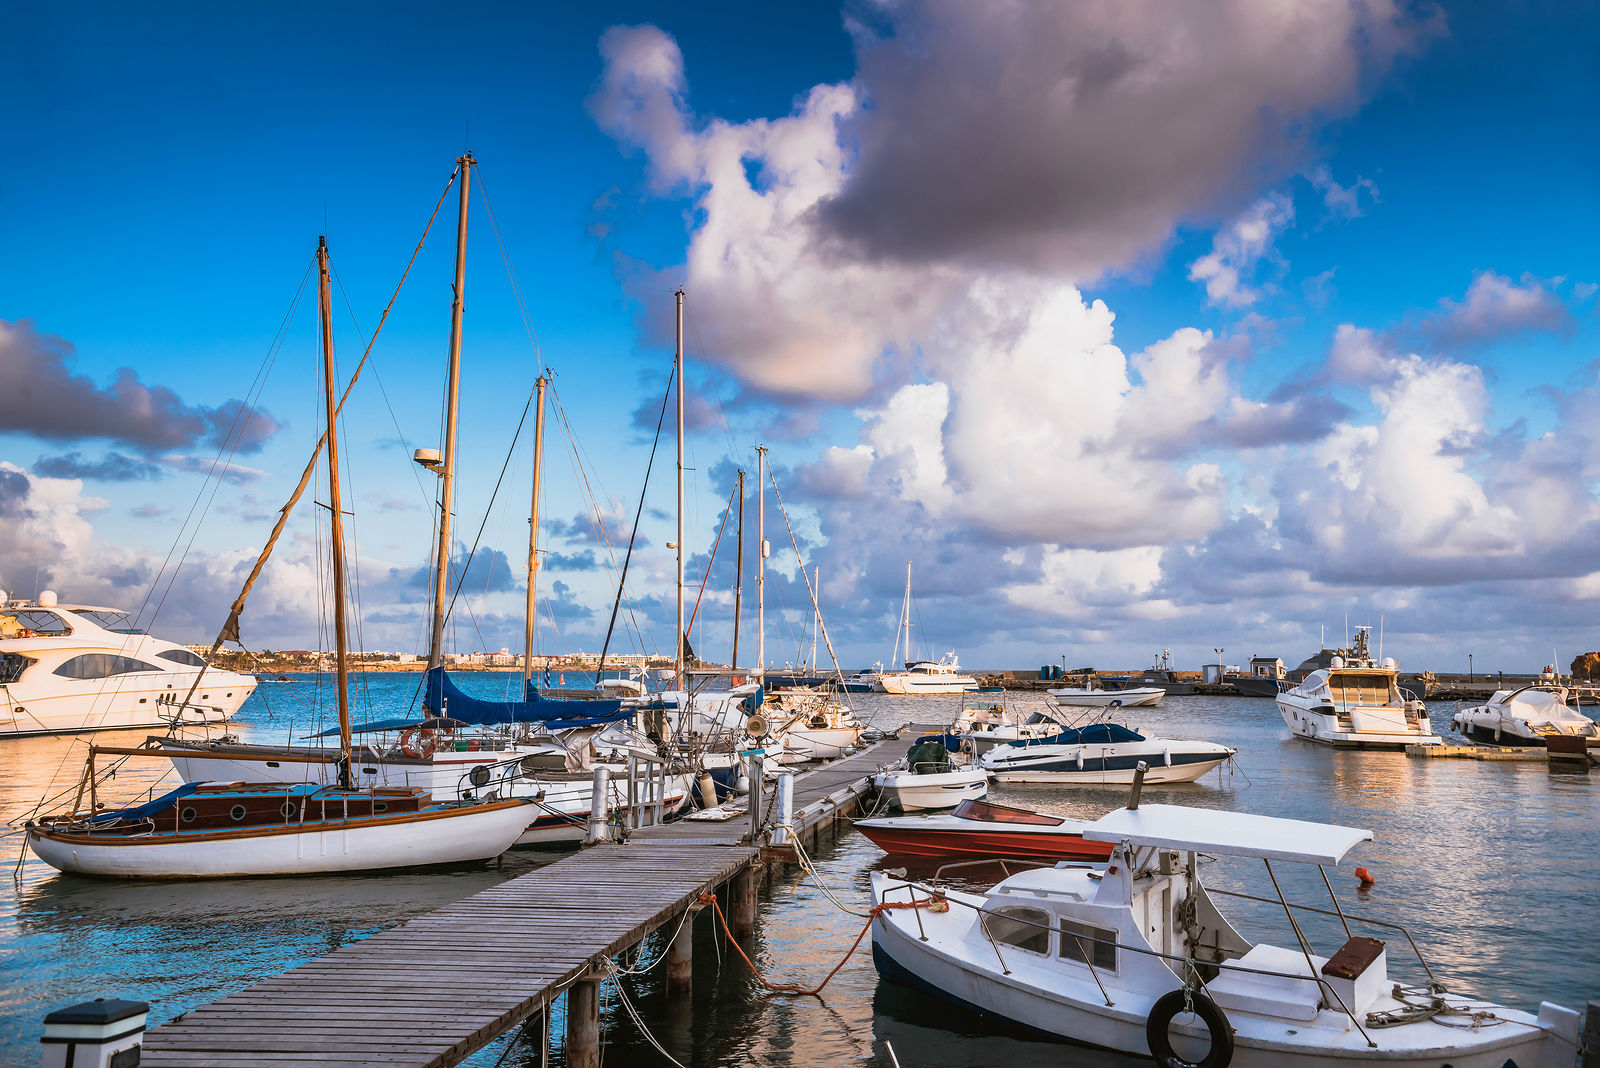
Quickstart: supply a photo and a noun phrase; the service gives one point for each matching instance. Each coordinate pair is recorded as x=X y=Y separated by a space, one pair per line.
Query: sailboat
x=242 y=829
x=943 y=676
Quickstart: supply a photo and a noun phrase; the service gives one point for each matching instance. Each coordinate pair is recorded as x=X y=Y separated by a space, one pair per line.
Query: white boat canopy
x=1235 y=834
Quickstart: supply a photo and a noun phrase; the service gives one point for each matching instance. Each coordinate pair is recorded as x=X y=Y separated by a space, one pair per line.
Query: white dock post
x=756 y=761
x=633 y=791
x=599 y=809
x=784 y=831
x=96 y=1034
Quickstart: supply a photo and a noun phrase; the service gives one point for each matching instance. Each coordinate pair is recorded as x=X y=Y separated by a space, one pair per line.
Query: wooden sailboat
x=239 y=829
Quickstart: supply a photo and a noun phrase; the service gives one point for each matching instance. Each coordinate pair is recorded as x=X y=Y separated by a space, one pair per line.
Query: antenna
x=1380 y=638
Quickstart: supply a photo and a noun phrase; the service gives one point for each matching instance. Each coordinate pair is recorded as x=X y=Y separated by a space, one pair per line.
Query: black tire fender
x=1169 y=1006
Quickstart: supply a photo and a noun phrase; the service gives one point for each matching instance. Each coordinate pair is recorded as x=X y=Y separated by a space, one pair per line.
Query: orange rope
x=788 y=988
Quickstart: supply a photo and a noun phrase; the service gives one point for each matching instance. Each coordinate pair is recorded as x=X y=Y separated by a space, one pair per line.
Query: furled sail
x=443 y=697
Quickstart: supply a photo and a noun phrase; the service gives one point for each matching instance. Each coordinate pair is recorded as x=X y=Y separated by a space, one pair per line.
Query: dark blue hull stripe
x=1127 y=763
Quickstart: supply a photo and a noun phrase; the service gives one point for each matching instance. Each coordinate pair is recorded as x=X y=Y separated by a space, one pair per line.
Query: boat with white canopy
x=1135 y=955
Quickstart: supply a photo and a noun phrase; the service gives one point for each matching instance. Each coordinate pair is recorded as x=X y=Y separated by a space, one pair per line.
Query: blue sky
x=1133 y=329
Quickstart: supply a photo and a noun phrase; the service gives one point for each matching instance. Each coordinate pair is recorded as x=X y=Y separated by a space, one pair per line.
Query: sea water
x=1494 y=869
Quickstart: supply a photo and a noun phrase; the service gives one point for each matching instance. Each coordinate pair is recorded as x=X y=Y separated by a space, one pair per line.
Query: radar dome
x=1389 y=664
x=47 y=599
x=1337 y=662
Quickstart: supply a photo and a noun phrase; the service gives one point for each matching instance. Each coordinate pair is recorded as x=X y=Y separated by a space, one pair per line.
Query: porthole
x=205 y=697
x=230 y=695
x=287 y=809
x=272 y=763
x=188 y=815
x=141 y=700
x=369 y=771
x=380 y=806
x=237 y=813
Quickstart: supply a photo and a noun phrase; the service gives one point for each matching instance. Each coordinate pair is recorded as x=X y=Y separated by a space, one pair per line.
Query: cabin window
x=237 y=813
x=1023 y=928
x=102 y=666
x=1099 y=943
x=12 y=665
x=32 y=622
x=181 y=656
x=188 y=815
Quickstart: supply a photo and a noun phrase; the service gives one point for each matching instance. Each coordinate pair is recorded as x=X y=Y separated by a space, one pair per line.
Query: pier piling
x=583 y=1024
x=680 y=955
x=742 y=902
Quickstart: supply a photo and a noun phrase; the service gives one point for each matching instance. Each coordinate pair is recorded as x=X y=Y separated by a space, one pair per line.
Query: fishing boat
x=929 y=778
x=1525 y=716
x=1092 y=695
x=71 y=668
x=984 y=829
x=1135 y=955
x=1356 y=703
x=1103 y=753
x=213 y=830
x=1160 y=674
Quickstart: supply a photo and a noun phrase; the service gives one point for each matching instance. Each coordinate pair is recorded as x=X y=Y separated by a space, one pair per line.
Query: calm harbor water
x=1492 y=867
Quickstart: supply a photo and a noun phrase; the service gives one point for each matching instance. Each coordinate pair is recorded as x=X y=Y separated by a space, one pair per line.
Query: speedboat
x=1102 y=754
x=982 y=726
x=1524 y=716
x=1135 y=955
x=928 y=677
x=66 y=668
x=1092 y=695
x=984 y=829
x=928 y=778
x=1355 y=703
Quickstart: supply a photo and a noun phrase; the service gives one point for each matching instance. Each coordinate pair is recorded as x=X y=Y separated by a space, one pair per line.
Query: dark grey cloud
x=112 y=467
x=584 y=561
x=1076 y=137
x=1496 y=307
x=14 y=489
x=44 y=398
x=489 y=571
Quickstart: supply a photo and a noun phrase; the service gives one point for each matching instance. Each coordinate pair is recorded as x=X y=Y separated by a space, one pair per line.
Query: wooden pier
x=437 y=988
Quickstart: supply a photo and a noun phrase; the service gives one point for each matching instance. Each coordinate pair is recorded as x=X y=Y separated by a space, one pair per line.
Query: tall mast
x=678 y=655
x=533 y=533
x=761 y=560
x=738 y=568
x=447 y=473
x=336 y=513
x=905 y=615
x=816 y=610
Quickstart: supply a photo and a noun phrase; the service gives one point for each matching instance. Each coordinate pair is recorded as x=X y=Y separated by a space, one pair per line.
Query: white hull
x=147 y=700
x=1096 y=764
x=1137 y=698
x=911 y=685
x=915 y=793
x=820 y=743
x=1072 y=1011
x=1393 y=733
x=370 y=845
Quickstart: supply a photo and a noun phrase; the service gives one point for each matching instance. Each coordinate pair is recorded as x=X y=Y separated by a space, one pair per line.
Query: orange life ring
x=426 y=740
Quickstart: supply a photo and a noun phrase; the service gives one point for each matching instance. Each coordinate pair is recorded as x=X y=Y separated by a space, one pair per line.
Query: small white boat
x=228 y=830
x=1095 y=696
x=929 y=779
x=1102 y=754
x=812 y=724
x=981 y=727
x=1524 y=716
x=928 y=677
x=1354 y=703
x=69 y=668
x=1135 y=955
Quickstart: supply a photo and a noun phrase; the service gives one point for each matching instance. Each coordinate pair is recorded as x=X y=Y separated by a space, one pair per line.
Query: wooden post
x=583 y=1024
x=680 y=957
x=742 y=901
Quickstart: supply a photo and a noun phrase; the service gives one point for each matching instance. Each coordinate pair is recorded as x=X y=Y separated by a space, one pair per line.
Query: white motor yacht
x=1356 y=703
x=1524 y=716
x=1135 y=955
x=1092 y=695
x=928 y=677
x=66 y=668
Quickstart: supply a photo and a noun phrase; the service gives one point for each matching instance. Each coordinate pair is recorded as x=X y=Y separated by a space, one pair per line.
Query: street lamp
x=1470 y=676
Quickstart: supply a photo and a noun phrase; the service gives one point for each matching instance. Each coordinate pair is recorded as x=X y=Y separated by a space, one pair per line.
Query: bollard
x=1138 y=786
x=96 y=1034
x=583 y=1024
x=680 y=956
x=783 y=833
x=599 y=809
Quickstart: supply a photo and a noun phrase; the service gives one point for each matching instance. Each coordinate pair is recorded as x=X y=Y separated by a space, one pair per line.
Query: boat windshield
x=32 y=623
x=110 y=619
x=1352 y=689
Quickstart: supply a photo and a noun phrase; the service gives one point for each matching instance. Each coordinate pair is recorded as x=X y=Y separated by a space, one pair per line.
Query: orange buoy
x=1366 y=878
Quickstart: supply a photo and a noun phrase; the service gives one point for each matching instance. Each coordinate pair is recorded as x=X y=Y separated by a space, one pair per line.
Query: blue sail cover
x=1093 y=734
x=443 y=696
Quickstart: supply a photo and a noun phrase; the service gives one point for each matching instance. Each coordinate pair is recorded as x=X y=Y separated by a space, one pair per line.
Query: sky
x=1129 y=327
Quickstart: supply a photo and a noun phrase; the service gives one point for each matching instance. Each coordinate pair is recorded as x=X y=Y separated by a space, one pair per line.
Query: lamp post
x=1470 y=676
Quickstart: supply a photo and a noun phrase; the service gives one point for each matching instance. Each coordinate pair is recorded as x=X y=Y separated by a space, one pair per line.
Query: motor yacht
x=1092 y=695
x=1356 y=703
x=928 y=677
x=1102 y=753
x=1136 y=955
x=1524 y=716
x=66 y=668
